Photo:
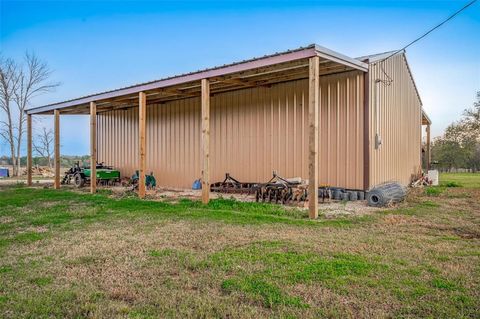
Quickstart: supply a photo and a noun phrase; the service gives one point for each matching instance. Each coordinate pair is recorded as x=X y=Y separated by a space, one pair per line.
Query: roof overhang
x=425 y=119
x=264 y=71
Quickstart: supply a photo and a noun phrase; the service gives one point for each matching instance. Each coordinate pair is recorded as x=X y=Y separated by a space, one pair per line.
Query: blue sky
x=94 y=46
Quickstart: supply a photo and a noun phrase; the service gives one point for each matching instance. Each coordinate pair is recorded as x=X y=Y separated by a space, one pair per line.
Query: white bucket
x=433 y=176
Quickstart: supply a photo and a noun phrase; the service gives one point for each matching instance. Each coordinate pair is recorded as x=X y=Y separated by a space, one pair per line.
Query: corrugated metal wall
x=399 y=156
x=253 y=132
x=117 y=139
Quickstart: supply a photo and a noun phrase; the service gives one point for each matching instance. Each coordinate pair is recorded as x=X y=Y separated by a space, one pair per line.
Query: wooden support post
x=205 y=141
x=142 y=116
x=366 y=130
x=313 y=113
x=93 y=147
x=56 y=124
x=428 y=156
x=29 y=149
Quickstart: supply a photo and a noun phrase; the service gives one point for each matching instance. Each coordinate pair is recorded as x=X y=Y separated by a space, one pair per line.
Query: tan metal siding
x=399 y=156
x=118 y=137
x=253 y=132
x=341 y=130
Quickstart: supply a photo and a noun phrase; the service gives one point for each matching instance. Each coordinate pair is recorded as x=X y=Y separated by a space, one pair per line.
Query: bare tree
x=8 y=83
x=20 y=84
x=32 y=81
x=43 y=145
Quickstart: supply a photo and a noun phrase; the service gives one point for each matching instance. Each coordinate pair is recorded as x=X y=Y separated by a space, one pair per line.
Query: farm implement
x=277 y=189
x=79 y=176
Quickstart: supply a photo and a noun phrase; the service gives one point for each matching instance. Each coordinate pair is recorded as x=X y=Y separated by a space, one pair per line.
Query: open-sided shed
x=309 y=112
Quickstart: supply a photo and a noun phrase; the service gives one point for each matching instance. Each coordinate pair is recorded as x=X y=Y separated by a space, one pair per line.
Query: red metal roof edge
x=272 y=59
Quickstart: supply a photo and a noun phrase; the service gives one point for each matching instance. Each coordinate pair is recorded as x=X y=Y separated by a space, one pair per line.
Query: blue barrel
x=4 y=172
x=197 y=184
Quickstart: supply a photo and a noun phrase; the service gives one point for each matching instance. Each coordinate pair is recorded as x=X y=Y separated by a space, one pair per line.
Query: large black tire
x=79 y=180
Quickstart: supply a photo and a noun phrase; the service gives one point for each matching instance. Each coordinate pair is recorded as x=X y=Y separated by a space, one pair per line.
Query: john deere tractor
x=79 y=176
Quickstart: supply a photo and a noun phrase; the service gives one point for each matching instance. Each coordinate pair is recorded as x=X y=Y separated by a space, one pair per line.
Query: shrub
x=433 y=191
x=453 y=184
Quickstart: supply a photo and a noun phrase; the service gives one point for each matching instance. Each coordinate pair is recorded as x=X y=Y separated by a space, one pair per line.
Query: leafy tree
x=471 y=126
x=459 y=147
x=472 y=118
x=448 y=153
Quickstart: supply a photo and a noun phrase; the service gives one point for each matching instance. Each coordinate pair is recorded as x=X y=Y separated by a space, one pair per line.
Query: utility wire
x=430 y=31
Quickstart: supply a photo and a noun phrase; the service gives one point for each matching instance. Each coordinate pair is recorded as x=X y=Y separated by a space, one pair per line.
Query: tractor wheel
x=79 y=180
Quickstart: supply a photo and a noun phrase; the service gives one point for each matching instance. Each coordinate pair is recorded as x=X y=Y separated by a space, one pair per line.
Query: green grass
x=266 y=266
x=469 y=180
x=68 y=254
x=64 y=208
x=434 y=190
x=454 y=180
x=257 y=288
x=453 y=184
x=41 y=281
x=60 y=207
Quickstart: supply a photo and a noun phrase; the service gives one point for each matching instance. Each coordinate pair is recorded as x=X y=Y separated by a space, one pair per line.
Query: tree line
x=42 y=161
x=459 y=146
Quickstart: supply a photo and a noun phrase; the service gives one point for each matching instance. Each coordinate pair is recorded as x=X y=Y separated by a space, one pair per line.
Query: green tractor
x=80 y=176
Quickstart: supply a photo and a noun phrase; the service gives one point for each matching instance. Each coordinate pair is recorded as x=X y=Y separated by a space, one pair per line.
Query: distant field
x=69 y=254
x=464 y=179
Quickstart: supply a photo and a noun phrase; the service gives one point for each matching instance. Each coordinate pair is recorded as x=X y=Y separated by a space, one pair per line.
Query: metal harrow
x=231 y=185
x=278 y=189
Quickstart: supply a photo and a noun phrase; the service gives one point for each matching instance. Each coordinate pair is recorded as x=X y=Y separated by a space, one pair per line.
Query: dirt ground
x=13 y=181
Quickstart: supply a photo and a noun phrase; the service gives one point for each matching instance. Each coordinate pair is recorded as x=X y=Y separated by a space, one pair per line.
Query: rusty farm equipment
x=276 y=190
x=282 y=190
x=230 y=185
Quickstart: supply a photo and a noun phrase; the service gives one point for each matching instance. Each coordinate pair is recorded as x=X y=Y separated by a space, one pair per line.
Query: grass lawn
x=463 y=179
x=65 y=254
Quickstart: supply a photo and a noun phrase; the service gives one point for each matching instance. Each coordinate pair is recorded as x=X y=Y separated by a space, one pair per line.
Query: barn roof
x=265 y=70
x=378 y=56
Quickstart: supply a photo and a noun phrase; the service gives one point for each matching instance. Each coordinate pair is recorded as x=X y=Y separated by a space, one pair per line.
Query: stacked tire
x=385 y=194
x=346 y=194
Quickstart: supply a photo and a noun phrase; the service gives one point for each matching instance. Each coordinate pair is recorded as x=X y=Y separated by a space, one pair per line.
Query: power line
x=429 y=31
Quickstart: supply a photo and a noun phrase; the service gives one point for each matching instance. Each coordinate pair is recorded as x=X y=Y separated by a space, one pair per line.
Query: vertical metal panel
x=253 y=132
x=399 y=156
x=341 y=138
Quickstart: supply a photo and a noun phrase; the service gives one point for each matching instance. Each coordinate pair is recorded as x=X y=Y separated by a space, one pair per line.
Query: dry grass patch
x=104 y=258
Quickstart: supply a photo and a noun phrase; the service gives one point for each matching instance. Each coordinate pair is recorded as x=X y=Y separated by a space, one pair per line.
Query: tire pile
x=346 y=194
